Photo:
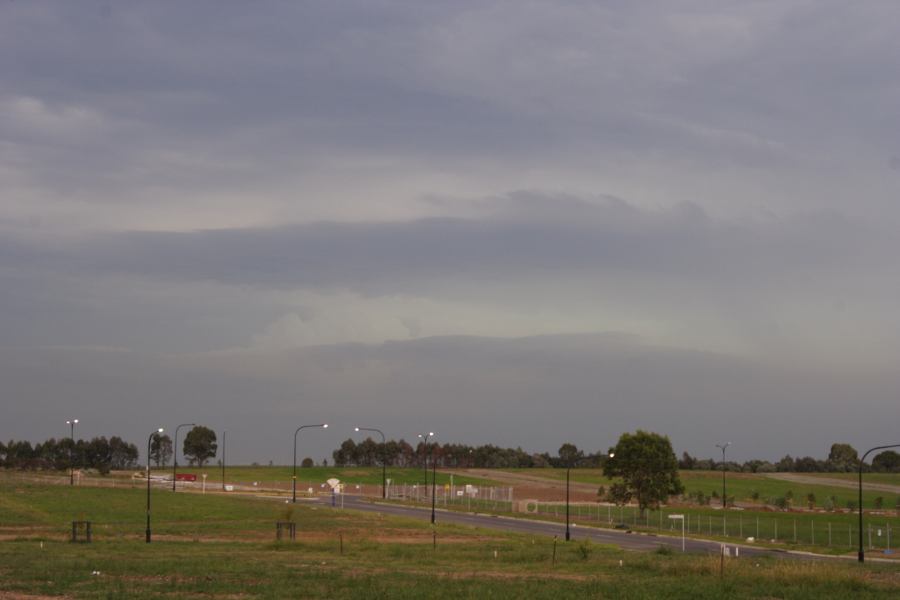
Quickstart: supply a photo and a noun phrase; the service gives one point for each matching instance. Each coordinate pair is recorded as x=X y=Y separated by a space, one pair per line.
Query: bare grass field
x=216 y=546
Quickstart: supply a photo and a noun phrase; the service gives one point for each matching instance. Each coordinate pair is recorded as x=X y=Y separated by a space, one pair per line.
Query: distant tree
x=160 y=449
x=785 y=465
x=843 y=457
x=811 y=500
x=347 y=454
x=687 y=462
x=307 y=463
x=647 y=466
x=122 y=455
x=807 y=464
x=200 y=445
x=886 y=462
x=569 y=455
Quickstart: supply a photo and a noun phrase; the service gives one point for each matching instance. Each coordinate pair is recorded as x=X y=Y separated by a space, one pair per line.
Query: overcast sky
x=521 y=223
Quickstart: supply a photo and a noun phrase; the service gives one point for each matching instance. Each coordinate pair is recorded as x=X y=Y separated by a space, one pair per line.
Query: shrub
x=585 y=549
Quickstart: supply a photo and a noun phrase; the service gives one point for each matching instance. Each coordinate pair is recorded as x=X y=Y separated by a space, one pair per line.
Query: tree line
x=368 y=453
x=97 y=453
x=842 y=458
x=102 y=454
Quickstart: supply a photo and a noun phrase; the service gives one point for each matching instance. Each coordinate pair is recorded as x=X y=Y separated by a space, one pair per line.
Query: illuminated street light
x=149 y=440
x=383 y=458
x=294 y=476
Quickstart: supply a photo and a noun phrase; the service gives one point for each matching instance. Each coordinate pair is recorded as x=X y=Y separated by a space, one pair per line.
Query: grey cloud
x=528 y=235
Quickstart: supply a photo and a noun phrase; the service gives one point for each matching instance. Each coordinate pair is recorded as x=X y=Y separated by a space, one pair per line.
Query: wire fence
x=814 y=529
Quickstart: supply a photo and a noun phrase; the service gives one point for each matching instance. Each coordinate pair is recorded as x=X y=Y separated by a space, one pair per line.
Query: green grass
x=222 y=547
x=743 y=485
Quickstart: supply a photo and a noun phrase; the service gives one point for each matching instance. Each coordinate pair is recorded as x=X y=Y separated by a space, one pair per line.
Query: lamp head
x=612 y=454
x=324 y=425
x=356 y=429
x=160 y=430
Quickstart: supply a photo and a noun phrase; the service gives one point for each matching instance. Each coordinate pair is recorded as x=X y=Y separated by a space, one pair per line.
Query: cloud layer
x=434 y=203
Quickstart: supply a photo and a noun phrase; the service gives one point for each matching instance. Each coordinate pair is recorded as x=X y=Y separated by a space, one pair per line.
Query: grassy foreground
x=223 y=547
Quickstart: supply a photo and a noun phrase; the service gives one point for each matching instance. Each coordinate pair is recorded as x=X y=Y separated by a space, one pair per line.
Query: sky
x=520 y=223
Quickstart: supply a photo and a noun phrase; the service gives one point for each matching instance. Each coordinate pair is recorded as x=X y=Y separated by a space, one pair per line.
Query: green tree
x=843 y=457
x=618 y=494
x=307 y=463
x=886 y=462
x=570 y=455
x=647 y=466
x=160 y=449
x=200 y=445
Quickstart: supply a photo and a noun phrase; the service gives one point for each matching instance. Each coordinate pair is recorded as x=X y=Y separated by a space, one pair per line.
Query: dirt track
x=536 y=487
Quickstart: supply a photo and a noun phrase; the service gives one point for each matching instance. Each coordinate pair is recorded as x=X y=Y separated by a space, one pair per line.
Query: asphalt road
x=623 y=539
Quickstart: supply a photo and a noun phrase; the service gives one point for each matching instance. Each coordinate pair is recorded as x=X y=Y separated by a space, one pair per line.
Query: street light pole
x=424 y=437
x=568 y=468
x=433 y=479
x=71 y=423
x=223 y=460
x=383 y=458
x=149 y=440
x=724 y=497
x=567 y=502
x=862 y=555
x=294 y=475
x=175 y=452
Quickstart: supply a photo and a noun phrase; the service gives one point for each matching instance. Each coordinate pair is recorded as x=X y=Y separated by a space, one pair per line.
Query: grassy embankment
x=219 y=546
x=743 y=485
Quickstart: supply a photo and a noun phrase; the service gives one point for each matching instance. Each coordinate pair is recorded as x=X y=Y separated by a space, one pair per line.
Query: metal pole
x=223 y=460
x=433 y=479
x=567 y=504
x=175 y=452
x=294 y=472
x=383 y=460
x=148 y=488
x=149 y=439
x=724 y=497
x=71 y=423
x=862 y=555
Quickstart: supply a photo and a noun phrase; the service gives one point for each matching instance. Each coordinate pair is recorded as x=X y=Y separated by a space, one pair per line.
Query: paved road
x=628 y=541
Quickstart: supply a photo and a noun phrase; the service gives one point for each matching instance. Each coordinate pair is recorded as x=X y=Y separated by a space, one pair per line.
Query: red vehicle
x=185 y=477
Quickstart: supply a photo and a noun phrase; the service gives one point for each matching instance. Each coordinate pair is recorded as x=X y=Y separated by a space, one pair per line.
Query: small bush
x=663 y=550
x=584 y=549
